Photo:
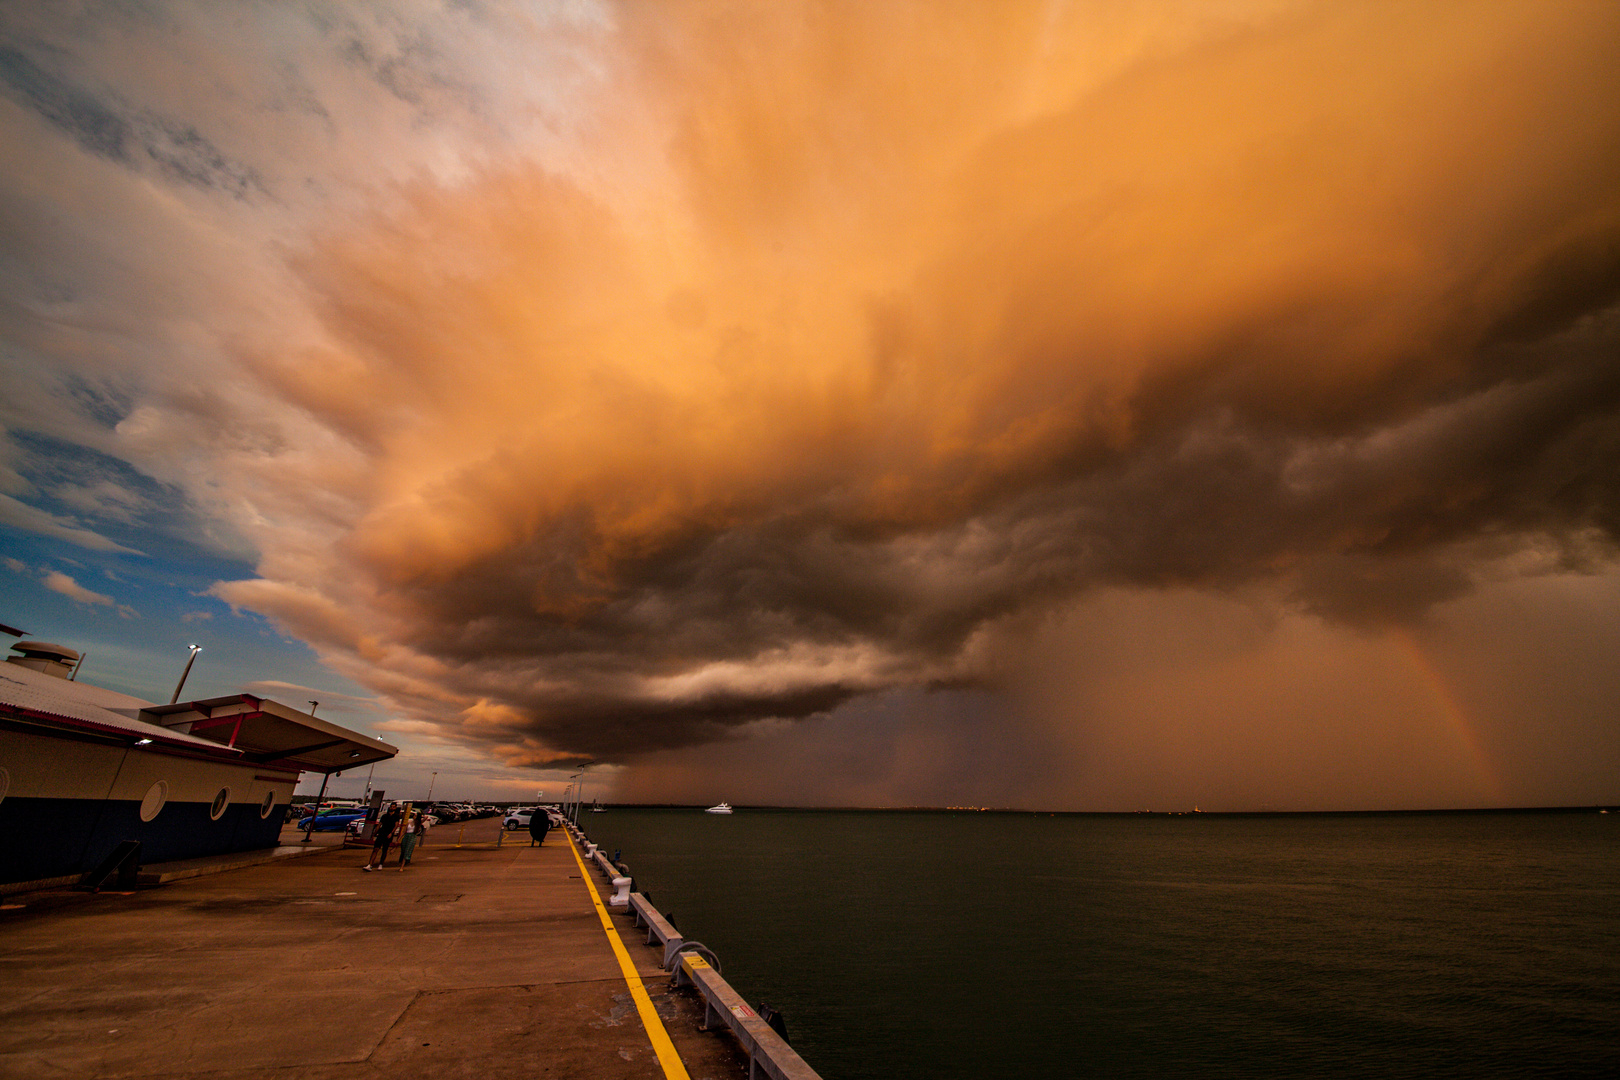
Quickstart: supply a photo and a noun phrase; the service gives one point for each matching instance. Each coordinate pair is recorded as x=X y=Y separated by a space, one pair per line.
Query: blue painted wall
x=46 y=838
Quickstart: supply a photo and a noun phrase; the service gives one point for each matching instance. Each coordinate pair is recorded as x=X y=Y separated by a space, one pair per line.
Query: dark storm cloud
x=1321 y=301
x=617 y=378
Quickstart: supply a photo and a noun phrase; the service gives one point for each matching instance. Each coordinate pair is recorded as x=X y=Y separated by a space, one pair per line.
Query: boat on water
x=721 y=808
x=598 y=808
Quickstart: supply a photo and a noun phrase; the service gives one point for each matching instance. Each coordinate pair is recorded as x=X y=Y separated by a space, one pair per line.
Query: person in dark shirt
x=539 y=822
x=384 y=837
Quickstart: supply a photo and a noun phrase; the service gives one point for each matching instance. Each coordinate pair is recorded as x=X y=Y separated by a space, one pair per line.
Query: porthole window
x=268 y=805
x=221 y=801
x=156 y=796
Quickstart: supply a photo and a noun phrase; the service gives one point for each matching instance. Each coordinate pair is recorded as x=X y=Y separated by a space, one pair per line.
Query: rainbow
x=1444 y=699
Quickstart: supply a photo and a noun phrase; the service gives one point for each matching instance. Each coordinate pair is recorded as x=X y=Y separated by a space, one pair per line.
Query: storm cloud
x=607 y=381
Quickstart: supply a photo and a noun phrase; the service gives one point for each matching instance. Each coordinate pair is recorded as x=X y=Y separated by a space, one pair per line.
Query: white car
x=517 y=819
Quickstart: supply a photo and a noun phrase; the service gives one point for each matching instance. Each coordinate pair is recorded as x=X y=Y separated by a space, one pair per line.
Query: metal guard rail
x=657 y=927
x=768 y=1053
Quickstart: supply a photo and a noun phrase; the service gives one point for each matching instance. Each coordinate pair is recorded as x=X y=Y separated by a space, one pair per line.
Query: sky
x=1087 y=406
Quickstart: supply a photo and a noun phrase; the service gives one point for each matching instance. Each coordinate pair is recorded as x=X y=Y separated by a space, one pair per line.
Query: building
x=84 y=769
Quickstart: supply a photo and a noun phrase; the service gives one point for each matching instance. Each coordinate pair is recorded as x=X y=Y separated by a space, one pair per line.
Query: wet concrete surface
x=478 y=961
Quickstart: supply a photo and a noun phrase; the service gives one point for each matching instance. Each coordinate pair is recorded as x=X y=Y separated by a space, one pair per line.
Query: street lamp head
x=192 y=659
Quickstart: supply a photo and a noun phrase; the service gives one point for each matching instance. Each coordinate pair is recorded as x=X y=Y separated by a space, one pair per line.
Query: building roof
x=26 y=694
x=269 y=732
x=241 y=726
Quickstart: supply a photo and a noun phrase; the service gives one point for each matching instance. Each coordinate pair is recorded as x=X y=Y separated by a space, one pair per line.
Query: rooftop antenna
x=74 y=677
x=195 y=649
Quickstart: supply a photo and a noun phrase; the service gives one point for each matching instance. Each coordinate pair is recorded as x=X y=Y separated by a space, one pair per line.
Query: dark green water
x=974 y=945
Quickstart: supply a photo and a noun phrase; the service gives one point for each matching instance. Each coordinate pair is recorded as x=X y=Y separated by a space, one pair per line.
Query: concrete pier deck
x=477 y=962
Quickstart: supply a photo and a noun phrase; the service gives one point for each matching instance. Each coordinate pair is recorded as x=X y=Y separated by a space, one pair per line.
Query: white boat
x=722 y=808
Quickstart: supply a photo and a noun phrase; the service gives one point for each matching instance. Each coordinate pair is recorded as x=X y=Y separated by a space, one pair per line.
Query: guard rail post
x=768 y=1052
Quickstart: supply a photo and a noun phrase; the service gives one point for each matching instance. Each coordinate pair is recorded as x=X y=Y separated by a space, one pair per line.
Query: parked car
x=517 y=819
x=333 y=820
x=359 y=823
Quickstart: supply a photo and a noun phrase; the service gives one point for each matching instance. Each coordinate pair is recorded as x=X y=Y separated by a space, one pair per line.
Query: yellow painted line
x=674 y=1068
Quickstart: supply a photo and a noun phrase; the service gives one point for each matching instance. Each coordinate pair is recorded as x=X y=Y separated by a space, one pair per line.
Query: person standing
x=415 y=829
x=539 y=822
x=384 y=837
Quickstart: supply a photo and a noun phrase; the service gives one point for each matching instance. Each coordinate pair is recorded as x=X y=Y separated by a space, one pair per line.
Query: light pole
x=579 y=791
x=195 y=649
x=313 y=705
x=431 y=782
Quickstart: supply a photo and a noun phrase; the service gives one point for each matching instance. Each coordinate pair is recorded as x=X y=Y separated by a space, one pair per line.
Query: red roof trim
x=199 y=725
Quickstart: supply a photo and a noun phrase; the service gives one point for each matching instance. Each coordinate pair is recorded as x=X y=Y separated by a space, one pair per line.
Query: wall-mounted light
x=143 y=742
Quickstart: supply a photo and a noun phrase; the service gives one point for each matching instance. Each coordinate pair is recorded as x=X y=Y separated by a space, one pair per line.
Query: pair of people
x=398 y=820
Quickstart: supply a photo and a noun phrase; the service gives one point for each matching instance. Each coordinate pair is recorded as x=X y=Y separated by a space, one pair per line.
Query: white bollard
x=621 y=895
x=590 y=850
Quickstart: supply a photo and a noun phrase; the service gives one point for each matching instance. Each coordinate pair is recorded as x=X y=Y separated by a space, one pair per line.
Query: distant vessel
x=722 y=808
x=596 y=808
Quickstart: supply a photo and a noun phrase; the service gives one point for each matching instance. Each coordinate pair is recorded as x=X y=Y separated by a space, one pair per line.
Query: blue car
x=332 y=820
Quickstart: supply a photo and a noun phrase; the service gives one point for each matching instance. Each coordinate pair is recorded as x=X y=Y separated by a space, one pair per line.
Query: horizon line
x=1562 y=809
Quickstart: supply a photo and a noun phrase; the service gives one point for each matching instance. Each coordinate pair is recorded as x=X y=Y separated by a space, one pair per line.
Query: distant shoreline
x=1596 y=809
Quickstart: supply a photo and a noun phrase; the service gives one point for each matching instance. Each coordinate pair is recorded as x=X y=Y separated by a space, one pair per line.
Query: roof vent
x=58 y=660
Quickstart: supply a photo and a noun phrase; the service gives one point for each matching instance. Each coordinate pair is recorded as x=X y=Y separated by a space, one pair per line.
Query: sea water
x=973 y=945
